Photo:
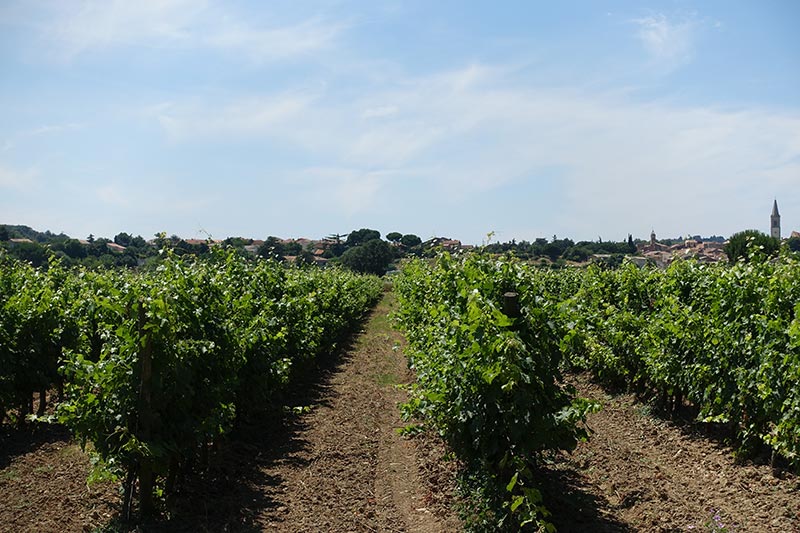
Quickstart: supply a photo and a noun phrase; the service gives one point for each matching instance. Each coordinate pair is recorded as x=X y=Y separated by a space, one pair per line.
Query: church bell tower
x=775 y=221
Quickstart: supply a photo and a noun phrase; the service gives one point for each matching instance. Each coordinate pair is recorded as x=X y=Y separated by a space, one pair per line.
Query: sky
x=471 y=120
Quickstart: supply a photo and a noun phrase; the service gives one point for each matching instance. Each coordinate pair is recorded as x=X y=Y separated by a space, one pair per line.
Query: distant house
x=446 y=244
x=694 y=248
x=303 y=242
x=636 y=260
x=114 y=247
x=19 y=241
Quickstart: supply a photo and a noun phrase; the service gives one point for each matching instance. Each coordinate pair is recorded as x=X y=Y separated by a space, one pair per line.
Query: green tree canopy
x=292 y=248
x=372 y=257
x=362 y=236
x=31 y=252
x=410 y=240
x=97 y=247
x=74 y=249
x=304 y=257
x=750 y=244
x=123 y=239
x=578 y=254
x=272 y=249
x=237 y=242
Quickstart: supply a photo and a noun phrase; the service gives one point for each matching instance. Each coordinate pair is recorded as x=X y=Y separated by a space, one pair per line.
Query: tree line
x=361 y=250
x=564 y=249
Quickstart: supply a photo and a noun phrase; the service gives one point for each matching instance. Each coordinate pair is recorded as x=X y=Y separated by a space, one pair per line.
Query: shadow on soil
x=235 y=490
x=684 y=418
x=722 y=436
x=20 y=441
x=573 y=508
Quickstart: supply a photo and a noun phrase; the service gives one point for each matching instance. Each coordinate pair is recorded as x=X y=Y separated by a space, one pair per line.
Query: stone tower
x=775 y=221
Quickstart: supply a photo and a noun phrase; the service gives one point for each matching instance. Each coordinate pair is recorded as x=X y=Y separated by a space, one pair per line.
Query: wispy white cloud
x=357 y=129
x=349 y=191
x=74 y=29
x=669 y=42
x=46 y=129
x=622 y=159
x=51 y=128
x=90 y=24
x=269 y=44
x=248 y=116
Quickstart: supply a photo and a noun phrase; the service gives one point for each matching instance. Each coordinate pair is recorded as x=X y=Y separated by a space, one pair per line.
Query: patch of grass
x=410 y=430
x=645 y=410
x=72 y=450
x=381 y=321
x=9 y=475
x=388 y=379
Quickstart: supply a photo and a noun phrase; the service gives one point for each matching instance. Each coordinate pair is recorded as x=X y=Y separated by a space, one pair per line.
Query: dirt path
x=641 y=473
x=353 y=472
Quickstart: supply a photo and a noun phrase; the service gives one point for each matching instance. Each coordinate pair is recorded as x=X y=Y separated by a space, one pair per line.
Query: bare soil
x=348 y=468
x=640 y=472
x=339 y=464
x=43 y=483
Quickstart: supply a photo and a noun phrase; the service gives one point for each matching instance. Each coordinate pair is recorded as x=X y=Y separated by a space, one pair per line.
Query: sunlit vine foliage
x=157 y=366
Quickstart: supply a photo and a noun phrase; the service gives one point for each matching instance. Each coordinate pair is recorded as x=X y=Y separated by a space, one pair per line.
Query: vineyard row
x=722 y=340
x=154 y=367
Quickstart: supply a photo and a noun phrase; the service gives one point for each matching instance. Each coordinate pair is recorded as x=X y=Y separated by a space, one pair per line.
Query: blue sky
x=449 y=118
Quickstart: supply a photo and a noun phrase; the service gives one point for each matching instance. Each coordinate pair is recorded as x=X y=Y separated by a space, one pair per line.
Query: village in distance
x=365 y=250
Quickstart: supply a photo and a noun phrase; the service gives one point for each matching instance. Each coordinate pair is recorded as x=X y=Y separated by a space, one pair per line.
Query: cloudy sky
x=451 y=118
